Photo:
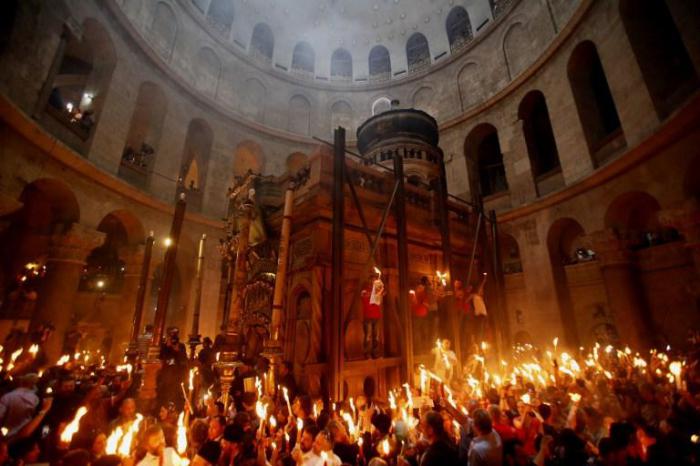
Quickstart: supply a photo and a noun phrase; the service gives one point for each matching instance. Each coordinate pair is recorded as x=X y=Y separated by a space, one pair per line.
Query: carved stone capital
x=74 y=245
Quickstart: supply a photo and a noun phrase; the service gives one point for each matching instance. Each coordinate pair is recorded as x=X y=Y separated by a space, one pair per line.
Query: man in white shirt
x=156 y=452
x=316 y=451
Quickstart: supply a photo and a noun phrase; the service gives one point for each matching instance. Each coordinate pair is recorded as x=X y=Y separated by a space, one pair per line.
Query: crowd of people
x=609 y=407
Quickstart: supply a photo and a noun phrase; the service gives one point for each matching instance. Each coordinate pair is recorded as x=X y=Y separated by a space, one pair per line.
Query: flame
x=352 y=430
x=62 y=360
x=33 y=350
x=386 y=448
x=193 y=371
x=273 y=422
x=113 y=441
x=526 y=398
x=575 y=397
x=675 y=368
x=181 y=434
x=300 y=425
x=72 y=427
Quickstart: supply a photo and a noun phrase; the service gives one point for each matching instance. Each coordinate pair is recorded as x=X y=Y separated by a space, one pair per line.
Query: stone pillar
x=66 y=259
x=685 y=218
x=625 y=293
x=121 y=326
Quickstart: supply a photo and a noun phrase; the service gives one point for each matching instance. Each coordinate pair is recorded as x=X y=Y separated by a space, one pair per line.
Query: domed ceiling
x=274 y=29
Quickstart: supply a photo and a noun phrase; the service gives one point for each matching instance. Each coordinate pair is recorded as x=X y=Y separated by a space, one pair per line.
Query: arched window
x=76 y=92
x=564 y=238
x=379 y=63
x=164 y=29
x=262 y=43
x=299 y=115
x=663 y=59
x=195 y=159
x=138 y=157
x=485 y=162
x=252 y=103
x=341 y=65
x=381 y=105
x=417 y=52
x=459 y=29
x=594 y=102
x=342 y=115
x=303 y=59
x=539 y=137
x=207 y=71
x=220 y=15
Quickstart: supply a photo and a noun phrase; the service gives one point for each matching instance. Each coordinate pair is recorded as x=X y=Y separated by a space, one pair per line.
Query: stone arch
x=128 y=223
x=303 y=59
x=510 y=254
x=145 y=129
x=594 y=102
x=342 y=115
x=220 y=15
x=564 y=237
x=484 y=159
x=299 y=115
x=469 y=85
x=458 y=28
x=517 y=44
x=380 y=105
x=77 y=89
x=262 y=42
x=253 y=99
x=424 y=99
x=163 y=31
x=48 y=206
x=195 y=162
x=666 y=66
x=207 y=71
x=539 y=137
x=295 y=162
x=104 y=268
x=164 y=28
x=379 y=63
x=633 y=216
x=417 y=52
x=341 y=65
x=248 y=156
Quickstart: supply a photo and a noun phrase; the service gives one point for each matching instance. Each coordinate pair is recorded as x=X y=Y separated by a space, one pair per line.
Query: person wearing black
x=207 y=358
x=441 y=450
x=286 y=379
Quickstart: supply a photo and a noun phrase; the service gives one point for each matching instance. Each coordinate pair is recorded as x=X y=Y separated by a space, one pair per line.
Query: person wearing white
x=156 y=452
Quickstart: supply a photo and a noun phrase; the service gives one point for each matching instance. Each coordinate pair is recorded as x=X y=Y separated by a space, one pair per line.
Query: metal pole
x=338 y=237
x=133 y=351
x=195 y=337
x=402 y=250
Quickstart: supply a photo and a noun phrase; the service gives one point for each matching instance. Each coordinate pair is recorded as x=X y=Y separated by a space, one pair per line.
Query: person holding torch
x=372 y=297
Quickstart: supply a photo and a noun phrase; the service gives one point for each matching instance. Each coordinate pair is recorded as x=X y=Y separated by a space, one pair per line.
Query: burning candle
x=675 y=369
x=72 y=427
x=181 y=434
x=385 y=447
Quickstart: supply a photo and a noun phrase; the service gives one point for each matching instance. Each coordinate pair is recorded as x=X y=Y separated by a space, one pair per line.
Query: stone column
x=66 y=259
x=685 y=218
x=625 y=293
x=121 y=326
